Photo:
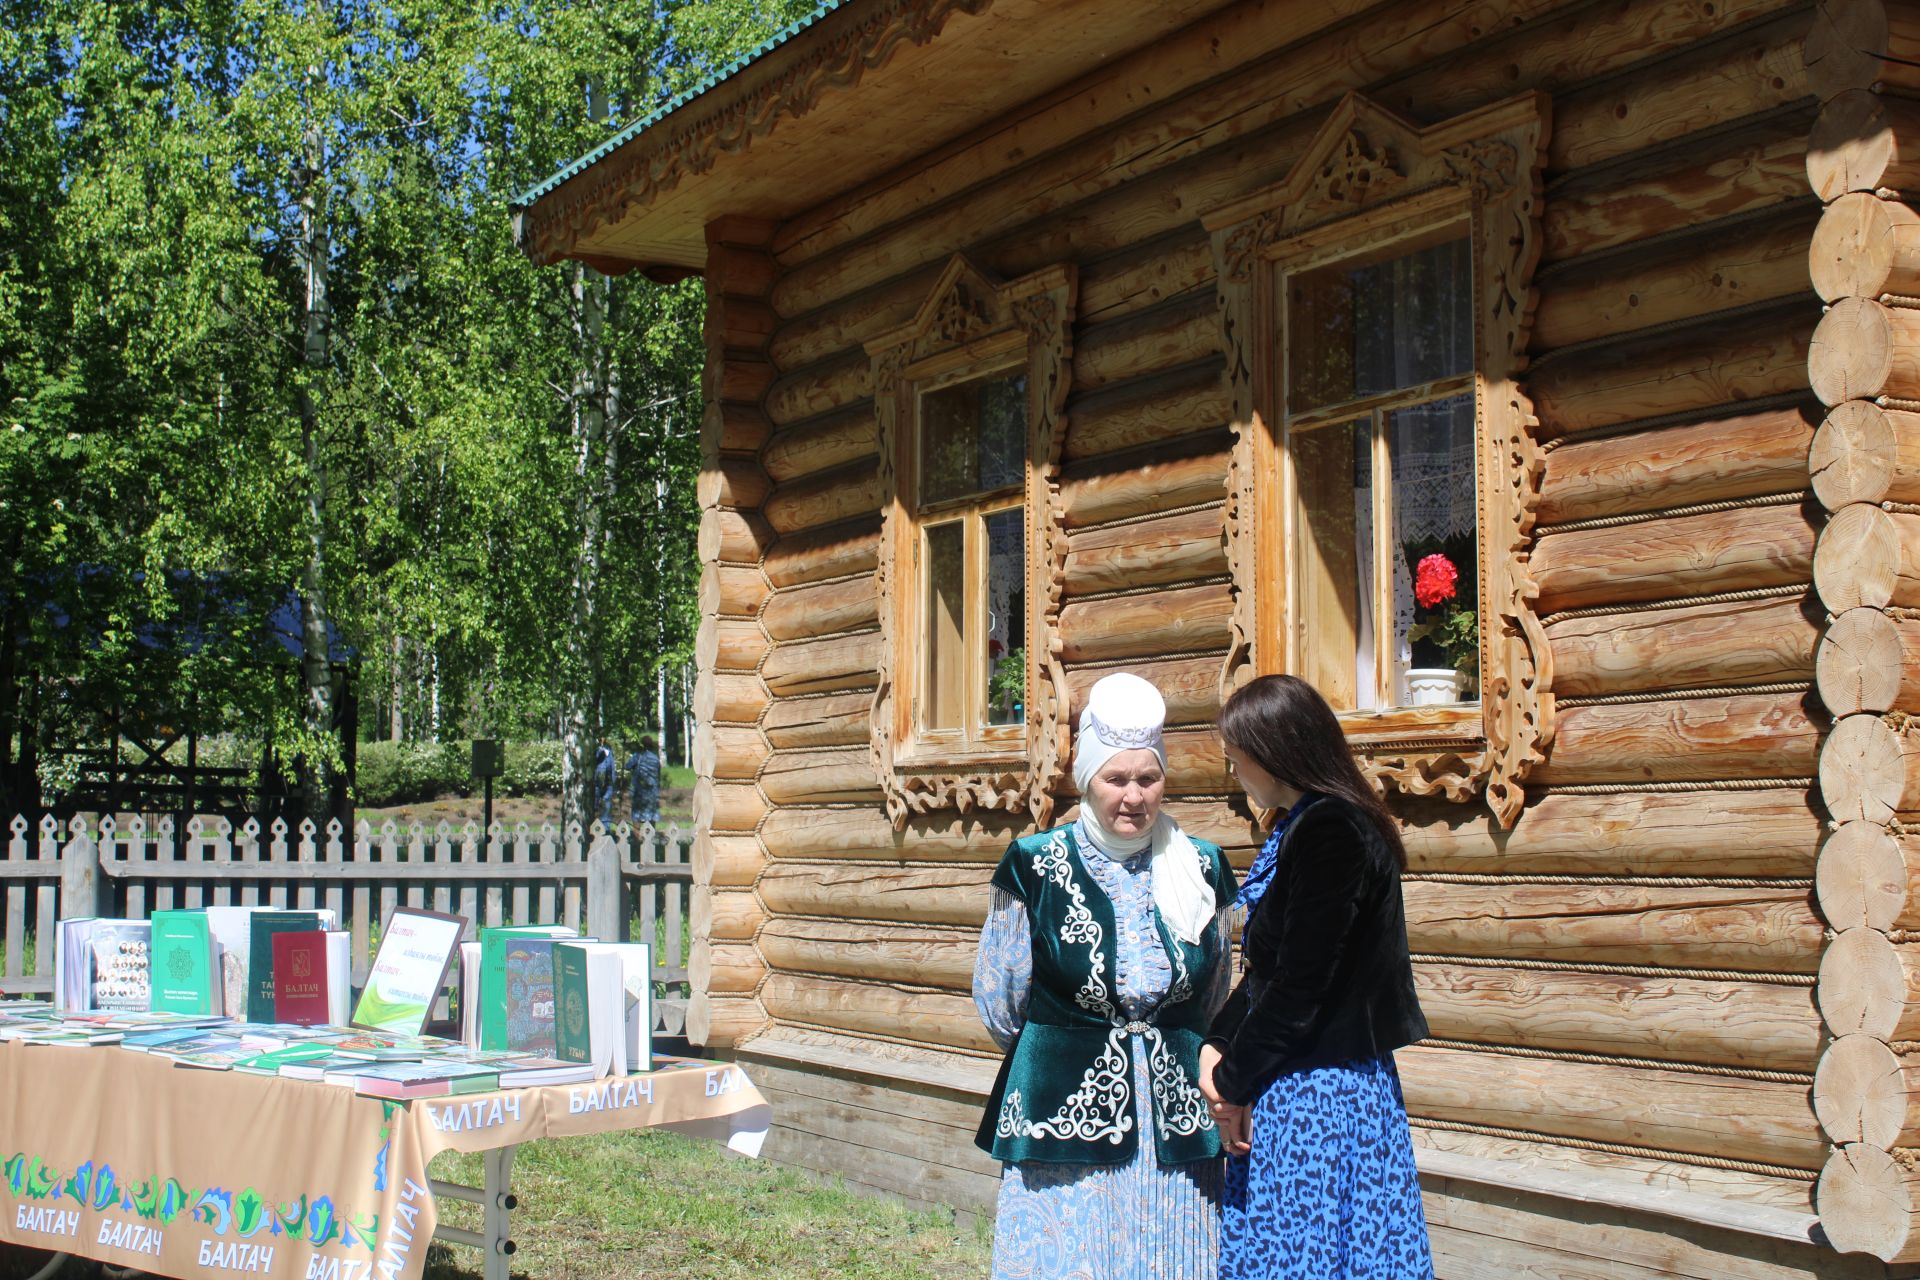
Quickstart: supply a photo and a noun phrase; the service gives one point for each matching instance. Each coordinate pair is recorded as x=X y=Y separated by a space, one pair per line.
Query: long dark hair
x=1283 y=725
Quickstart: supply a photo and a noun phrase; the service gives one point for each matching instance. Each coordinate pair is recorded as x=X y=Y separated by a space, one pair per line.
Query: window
x=1374 y=309
x=969 y=398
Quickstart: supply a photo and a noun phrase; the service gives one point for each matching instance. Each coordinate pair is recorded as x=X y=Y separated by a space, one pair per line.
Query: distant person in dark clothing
x=643 y=781
x=603 y=784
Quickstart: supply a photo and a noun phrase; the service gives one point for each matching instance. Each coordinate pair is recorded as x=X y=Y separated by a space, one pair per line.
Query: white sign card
x=416 y=950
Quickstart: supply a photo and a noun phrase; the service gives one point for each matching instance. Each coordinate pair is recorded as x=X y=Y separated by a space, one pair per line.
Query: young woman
x=1298 y=1066
x=1103 y=958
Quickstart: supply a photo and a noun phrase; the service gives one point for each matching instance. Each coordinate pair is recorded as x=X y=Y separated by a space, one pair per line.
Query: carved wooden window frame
x=970 y=325
x=1368 y=178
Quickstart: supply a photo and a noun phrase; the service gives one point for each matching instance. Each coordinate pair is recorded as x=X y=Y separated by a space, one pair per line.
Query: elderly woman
x=1103 y=960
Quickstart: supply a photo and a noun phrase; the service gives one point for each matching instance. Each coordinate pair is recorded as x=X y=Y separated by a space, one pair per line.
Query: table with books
x=196 y=1143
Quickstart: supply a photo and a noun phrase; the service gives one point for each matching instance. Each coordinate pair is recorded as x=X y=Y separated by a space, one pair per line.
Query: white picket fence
x=611 y=883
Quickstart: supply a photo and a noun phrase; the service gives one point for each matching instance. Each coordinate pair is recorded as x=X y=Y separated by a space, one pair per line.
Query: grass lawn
x=656 y=1205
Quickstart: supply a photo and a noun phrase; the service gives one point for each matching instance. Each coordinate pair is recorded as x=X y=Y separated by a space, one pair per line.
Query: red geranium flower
x=1435 y=580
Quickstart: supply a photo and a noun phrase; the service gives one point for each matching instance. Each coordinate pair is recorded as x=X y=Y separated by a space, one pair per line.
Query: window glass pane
x=1334 y=562
x=1006 y=656
x=973 y=437
x=943 y=683
x=1435 y=550
x=1356 y=331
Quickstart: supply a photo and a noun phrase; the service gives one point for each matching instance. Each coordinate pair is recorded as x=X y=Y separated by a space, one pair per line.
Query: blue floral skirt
x=1329 y=1191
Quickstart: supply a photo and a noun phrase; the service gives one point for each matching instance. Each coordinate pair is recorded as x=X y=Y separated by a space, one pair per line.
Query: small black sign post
x=486 y=763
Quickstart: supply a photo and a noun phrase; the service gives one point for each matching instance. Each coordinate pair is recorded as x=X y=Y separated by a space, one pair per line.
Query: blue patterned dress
x=1101 y=1221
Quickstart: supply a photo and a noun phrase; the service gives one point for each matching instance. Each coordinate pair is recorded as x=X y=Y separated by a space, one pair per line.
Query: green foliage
x=1007 y=686
x=532 y=769
x=393 y=773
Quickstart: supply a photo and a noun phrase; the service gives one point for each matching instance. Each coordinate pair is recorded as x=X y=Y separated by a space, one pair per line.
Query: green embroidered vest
x=1065 y=1091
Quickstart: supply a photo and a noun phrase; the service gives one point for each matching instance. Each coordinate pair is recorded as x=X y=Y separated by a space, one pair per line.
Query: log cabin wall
x=1625 y=981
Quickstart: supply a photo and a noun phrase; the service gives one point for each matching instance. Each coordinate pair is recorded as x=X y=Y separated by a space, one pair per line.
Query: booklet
x=496 y=944
x=416 y=950
x=312 y=972
x=182 y=963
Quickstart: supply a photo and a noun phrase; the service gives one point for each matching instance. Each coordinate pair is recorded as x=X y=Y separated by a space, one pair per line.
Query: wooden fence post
x=82 y=887
x=605 y=920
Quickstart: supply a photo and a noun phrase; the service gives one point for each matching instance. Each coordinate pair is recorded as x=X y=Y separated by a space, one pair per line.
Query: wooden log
x=1678 y=556
x=729 y=644
x=1864 y=453
x=1771 y=832
x=1675 y=282
x=822 y=444
x=823 y=666
x=1743 y=456
x=1716 y=176
x=1742 y=1024
x=1869 y=661
x=1868 y=557
x=820 y=777
x=1865 y=247
x=1865 y=1092
x=1191 y=687
x=817 y=390
x=1864 y=142
x=871 y=1008
x=825 y=553
x=1755 y=735
x=1869 y=770
x=732 y=590
x=1870 y=1203
x=730 y=481
x=1868 y=878
x=726 y=915
x=720 y=1022
x=835 y=720
x=720 y=968
x=1148 y=410
x=865 y=834
x=1870 y=985
x=729 y=698
x=1170 y=549
x=1673 y=373
x=737 y=537
x=723 y=861
x=736 y=753
x=824 y=499
x=726 y=806
x=1658 y=1110
x=735 y=428
x=1865 y=349
x=1119 y=489
x=1750 y=930
x=1736 y=642
x=1178 y=332
x=954 y=894
x=1187 y=620
x=918 y=955
x=1862 y=44
x=806 y=612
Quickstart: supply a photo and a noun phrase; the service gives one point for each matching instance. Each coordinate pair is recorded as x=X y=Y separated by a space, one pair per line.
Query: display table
x=134 y=1161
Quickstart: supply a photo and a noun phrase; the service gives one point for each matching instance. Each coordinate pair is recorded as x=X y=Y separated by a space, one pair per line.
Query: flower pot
x=1434 y=686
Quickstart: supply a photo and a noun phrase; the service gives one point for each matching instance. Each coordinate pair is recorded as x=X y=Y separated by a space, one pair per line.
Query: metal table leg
x=497 y=1202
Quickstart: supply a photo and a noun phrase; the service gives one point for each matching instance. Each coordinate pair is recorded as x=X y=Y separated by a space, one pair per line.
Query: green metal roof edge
x=712 y=81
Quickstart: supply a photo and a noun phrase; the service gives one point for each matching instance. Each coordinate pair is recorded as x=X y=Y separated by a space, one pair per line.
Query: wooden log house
x=1048 y=339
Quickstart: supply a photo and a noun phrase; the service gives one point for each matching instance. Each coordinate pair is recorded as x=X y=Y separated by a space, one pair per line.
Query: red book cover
x=300 y=978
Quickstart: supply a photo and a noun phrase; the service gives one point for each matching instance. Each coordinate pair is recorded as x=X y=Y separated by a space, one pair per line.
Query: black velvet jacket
x=1327 y=974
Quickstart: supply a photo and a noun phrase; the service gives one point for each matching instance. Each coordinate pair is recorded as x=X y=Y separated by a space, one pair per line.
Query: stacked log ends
x=1870 y=985
x=1866 y=247
x=1869 y=660
x=1869 y=878
x=1866 y=453
x=1865 y=1092
x=1865 y=141
x=1870 y=770
x=1862 y=349
x=731 y=697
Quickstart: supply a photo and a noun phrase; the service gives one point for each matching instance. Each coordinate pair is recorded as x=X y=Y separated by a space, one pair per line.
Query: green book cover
x=572 y=1006
x=261 y=926
x=493 y=976
x=180 y=963
x=270 y=1062
x=478 y=1082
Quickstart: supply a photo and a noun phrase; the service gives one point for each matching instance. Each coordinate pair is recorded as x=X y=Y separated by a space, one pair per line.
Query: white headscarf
x=1126 y=713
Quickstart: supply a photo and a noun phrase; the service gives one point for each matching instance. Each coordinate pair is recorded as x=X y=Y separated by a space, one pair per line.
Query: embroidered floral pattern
x=1095 y=1112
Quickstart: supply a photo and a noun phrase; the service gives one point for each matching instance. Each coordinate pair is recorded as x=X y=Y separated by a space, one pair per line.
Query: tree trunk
x=316 y=673
x=588 y=420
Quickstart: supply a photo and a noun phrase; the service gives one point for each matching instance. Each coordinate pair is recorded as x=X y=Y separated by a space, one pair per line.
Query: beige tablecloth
x=129 y=1159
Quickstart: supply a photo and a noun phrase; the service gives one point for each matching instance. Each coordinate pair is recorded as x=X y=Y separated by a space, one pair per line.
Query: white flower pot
x=1434 y=686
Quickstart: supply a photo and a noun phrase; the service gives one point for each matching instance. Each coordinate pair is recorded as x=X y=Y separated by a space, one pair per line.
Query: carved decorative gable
x=1368 y=178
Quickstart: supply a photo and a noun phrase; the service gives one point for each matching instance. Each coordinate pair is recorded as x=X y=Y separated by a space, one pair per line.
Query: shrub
x=532 y=769
x=390 y=773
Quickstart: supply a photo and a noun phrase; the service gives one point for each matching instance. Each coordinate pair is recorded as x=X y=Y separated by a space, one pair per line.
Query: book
x=270 y=1062
x=142 y=1041
x=400 y=1080
x=261 y=928
x=636 y=982
x=590 y=1007
x=182 y=962
x=120 y=951
x=416 y=951
x=528 y=1014
x=317 y=1068
x=470 y=994
x=312 y=973
x=492 y=1005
